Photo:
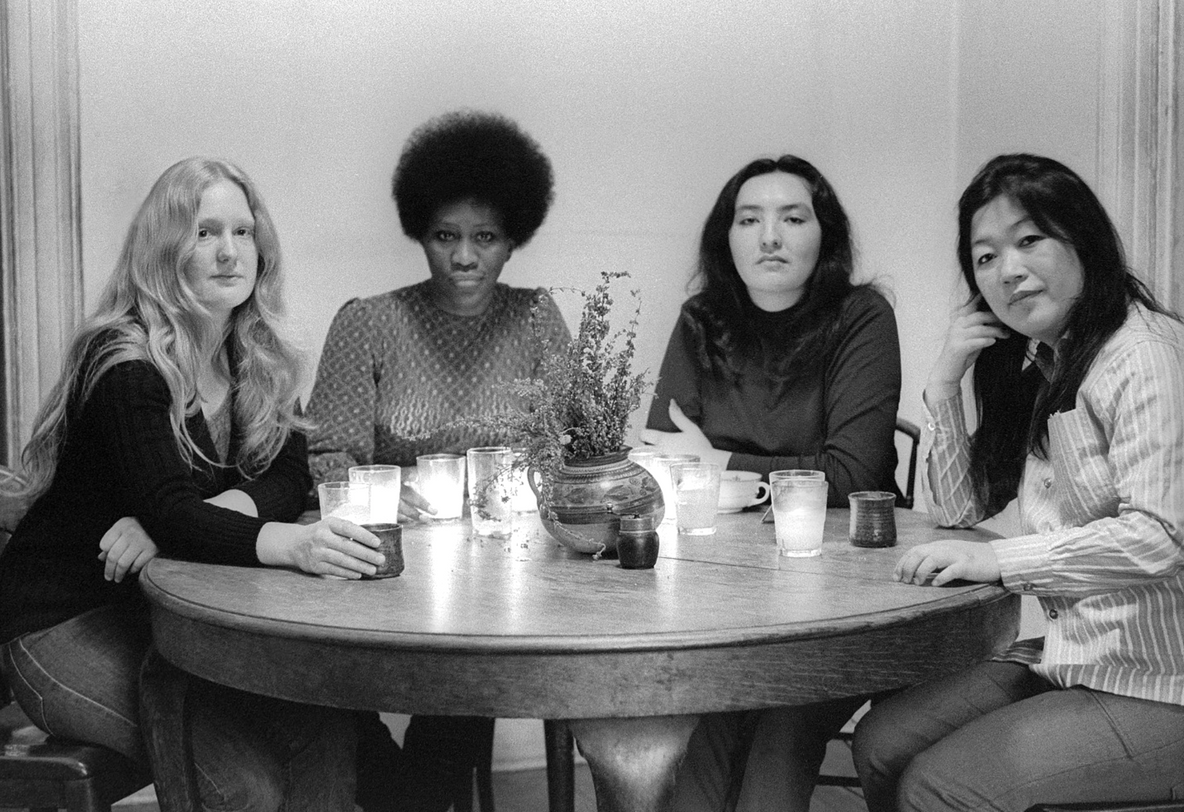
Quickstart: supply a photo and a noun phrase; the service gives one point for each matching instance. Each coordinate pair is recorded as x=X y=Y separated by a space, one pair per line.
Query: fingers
x=117 y=560
x=680 y=420
x=654 y=437
x=414 y=499
x=115 y=532
x=412 y=505
x=918 y=565
x=344 y=528
x=340 y=545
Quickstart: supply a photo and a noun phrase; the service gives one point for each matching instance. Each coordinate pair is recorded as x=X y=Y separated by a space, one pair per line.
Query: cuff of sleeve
x=271 y=502
x=1023 y=563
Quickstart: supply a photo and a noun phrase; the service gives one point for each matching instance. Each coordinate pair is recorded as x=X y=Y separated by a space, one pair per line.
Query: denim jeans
x=755 y=760
x=79 y=680
x=999 y=737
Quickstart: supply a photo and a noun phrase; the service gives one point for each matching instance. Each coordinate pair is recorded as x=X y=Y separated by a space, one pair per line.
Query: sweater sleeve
x=345 y=397
x=129 y=410
x=279 y=493
x=678 y=379
x=862 y=394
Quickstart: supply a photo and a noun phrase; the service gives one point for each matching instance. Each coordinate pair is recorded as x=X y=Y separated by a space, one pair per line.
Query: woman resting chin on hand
x=1079 y=378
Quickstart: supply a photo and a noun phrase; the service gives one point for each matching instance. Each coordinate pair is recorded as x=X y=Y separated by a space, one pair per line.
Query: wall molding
x=1140 y=138
x=40 y=204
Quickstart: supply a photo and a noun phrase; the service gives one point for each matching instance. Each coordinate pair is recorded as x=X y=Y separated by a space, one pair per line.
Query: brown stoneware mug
x=873 y=519
x=390 y=537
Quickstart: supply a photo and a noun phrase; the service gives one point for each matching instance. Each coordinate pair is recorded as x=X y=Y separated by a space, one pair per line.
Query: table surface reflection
x=524 y=628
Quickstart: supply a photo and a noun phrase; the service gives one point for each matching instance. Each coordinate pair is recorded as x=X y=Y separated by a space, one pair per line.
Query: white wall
x=644 y=110
x=644 y=107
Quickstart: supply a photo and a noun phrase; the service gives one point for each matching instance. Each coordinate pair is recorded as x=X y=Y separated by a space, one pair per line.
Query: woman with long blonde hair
x=175 y=428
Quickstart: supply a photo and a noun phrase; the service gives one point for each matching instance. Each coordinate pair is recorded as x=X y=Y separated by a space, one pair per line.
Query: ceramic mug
x=740 y=489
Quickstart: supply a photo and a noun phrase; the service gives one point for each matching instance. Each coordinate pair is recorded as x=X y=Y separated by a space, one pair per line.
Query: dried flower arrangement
x=580 y=404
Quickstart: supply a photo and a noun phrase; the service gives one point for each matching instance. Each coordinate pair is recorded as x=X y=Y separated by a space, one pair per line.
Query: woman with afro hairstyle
x=400 y=368
x=174 y=428
x=779 y=361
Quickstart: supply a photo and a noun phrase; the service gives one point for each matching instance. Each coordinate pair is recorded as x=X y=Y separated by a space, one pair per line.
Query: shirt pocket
x=1083 y=480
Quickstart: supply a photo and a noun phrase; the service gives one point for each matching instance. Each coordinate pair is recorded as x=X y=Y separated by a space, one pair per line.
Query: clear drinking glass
x=385 y=486
x=661 y=472
x=696 y=497
x=491 y=506
x=345 y=500
x=796 y=473
x=440 y=479
x=799 y=513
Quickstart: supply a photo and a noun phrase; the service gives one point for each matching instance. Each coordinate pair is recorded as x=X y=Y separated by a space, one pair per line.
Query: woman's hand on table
x=689 y=439
x=125 y=549
x=970 y=332
x=948 y=560
x=333 y=546
x=412 y=506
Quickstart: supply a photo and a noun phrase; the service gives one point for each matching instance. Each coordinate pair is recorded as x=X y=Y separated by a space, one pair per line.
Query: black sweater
x=121 y=459
x=840 y=419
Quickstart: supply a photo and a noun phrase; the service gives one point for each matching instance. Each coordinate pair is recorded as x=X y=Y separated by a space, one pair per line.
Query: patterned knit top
x=396 y=367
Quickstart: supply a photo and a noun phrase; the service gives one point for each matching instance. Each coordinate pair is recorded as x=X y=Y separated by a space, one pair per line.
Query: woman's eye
x=202 y=233
x=245 y=232
x=746 y=221
x=983 y=259
x=486 y=237
x=797 y=221
x=1031 y=239
x=442 y=236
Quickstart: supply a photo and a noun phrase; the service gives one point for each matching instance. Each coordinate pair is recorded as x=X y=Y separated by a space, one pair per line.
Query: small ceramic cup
x=390 y=537
x=873 y=519
x=740 y=489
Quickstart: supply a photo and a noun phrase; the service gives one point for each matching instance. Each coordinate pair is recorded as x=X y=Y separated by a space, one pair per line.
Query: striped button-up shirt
x=1102 y=517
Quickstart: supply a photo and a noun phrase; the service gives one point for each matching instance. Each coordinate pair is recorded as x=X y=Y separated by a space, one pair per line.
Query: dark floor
x=526 y=791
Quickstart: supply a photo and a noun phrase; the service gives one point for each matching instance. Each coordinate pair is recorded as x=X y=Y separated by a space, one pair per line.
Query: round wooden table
x=524 y=628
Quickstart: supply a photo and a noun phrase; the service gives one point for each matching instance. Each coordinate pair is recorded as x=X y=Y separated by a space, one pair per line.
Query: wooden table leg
x=164 y=723
x=561 y=779
x=634 y=761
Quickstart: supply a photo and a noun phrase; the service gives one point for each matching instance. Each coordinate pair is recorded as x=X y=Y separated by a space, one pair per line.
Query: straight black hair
x=1013 y=410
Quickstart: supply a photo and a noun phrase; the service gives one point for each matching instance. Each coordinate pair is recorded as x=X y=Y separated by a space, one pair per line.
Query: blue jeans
x=999 y=737
x=754 y=760
x=80 y=680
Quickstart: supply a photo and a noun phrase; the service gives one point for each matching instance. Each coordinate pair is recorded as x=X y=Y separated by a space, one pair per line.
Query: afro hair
x=473 y=155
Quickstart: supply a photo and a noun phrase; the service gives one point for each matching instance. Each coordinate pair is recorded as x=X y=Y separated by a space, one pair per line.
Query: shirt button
x=931 y=426
x=1048 y=482
x=1052 y=614
x=1028 y=587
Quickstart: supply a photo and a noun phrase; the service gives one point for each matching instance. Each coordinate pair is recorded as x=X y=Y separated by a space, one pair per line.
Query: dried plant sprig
x=580 y=403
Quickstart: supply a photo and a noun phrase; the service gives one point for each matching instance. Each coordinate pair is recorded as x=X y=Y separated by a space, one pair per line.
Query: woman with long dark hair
x=1079 y=388
x=779 y=361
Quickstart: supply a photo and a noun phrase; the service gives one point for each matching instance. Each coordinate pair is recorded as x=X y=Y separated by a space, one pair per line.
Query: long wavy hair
x=148 y=312
x=1013 y=411
x=724 y=304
